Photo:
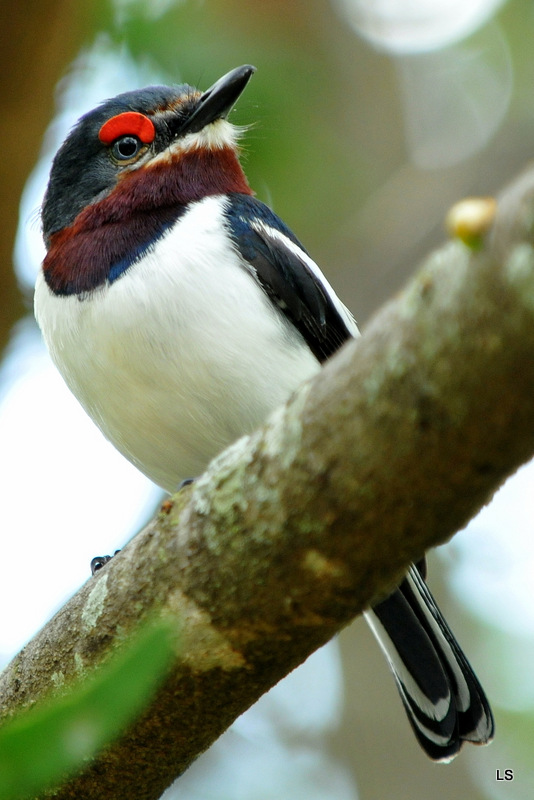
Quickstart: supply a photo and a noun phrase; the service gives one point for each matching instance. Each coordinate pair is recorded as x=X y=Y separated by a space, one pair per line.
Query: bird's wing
x=288 y=275
x=442 y=697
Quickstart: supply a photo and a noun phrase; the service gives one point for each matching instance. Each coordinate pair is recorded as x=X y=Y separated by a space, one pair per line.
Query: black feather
x=285 y=276
x=442 y=696
x=444 y=701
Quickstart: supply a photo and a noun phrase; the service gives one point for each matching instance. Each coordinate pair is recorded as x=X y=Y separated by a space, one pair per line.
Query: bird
x=181 y=311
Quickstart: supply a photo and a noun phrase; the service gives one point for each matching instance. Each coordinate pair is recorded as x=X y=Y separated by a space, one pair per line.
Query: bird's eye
x=127 y=135
x=126 y=148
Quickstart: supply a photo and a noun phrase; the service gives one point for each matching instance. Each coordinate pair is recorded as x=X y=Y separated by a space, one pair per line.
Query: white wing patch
x=267 y=230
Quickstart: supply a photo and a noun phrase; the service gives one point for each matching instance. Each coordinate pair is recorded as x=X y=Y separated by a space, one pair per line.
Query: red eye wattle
x=130 y=123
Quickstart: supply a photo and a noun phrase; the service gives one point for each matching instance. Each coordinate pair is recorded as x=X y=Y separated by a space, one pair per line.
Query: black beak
x=219 y=99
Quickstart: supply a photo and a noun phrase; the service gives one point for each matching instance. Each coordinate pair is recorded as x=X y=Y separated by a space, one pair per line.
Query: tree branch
x=294 y=530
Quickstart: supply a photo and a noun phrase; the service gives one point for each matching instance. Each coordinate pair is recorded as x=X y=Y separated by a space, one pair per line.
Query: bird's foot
x=99 y=561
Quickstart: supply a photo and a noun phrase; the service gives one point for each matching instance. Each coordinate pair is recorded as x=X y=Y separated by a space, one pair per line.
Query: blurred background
x=368 y=119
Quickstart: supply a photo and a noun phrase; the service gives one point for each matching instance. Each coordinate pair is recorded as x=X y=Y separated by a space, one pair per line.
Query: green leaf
x=41 y=746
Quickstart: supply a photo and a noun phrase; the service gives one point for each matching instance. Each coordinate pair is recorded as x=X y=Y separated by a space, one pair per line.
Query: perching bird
x=181 y=311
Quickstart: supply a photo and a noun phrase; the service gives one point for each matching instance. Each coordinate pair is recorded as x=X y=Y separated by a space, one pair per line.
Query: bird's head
x=131 y=163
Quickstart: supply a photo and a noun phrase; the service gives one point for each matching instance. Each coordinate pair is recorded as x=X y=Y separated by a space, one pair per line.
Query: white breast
x=181 y=355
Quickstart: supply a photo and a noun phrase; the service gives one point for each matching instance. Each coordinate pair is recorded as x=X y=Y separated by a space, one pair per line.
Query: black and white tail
x=443 y=699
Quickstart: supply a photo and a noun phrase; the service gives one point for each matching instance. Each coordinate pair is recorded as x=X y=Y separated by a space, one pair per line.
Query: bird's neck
x=168 y=183
x=201 y=172
x=108 y=235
